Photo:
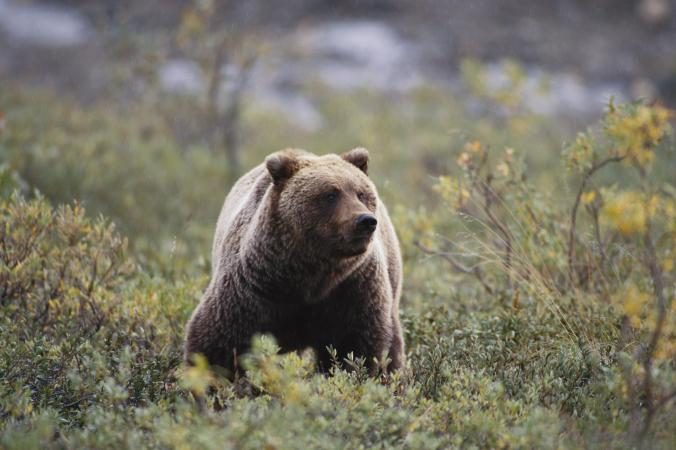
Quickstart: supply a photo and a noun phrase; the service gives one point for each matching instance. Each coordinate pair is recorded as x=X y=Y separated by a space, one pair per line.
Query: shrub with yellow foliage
x=538 y=310
x=624 y=256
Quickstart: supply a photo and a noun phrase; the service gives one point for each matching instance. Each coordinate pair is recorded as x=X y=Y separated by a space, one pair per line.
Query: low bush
x=534 y=318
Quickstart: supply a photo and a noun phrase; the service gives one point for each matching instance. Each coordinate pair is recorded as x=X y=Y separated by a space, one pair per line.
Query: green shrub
x=98 y=368
x=124 y=163
x=80 y=325
x=523 y=329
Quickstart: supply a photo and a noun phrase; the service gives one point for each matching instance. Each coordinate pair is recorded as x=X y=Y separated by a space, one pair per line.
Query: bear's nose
x=366 y=222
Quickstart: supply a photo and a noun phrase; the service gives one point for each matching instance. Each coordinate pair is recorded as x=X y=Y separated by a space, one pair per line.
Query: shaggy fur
x=290 y=260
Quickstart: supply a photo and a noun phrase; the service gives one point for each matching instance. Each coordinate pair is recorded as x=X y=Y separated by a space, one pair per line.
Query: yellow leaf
x=464 y=159
x=503 y=169
x=588 y=197
x=633 y=301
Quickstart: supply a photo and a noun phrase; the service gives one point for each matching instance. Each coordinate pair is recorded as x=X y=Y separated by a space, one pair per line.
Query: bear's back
x=238 y=210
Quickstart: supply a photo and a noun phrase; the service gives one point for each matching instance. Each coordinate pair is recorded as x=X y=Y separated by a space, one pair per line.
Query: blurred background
x=146 y=112
x=584 y=50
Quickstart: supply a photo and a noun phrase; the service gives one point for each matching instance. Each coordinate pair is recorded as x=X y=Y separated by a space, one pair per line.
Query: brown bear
x=305 y=251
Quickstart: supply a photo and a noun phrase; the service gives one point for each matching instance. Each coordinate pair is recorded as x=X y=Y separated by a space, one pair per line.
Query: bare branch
x=658 y=285
x=573 y=216
x=457 y=266
x=488 y=195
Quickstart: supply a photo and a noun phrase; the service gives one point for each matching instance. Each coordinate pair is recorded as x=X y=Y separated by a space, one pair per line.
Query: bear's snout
x=366 y=223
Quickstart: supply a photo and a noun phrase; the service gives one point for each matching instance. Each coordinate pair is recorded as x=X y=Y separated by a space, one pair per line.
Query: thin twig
x=502 y=228
x=457 y=266
x=658 y=285
x=597 y=235
x=573 y=216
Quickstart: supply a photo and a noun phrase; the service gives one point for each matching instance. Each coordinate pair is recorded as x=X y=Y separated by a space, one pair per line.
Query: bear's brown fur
x=295 y=255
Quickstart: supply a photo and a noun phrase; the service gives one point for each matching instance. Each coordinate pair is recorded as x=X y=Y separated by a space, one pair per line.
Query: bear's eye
x=362 y=197
x=331 y=197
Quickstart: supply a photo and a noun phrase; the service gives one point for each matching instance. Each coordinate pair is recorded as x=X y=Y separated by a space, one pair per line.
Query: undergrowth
x=536 y=314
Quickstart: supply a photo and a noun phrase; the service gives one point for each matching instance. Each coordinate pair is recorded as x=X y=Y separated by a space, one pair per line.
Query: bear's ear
x=358 y=157
x=281 y=166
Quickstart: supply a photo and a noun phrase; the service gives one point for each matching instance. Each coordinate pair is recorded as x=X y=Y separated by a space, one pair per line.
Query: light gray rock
x=551 y=94
x=358 y=53
x=182 y=76
x=42 y=26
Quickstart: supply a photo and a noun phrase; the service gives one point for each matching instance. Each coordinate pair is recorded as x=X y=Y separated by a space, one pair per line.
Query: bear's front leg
x=221 y=330
x=358 y=344
x=359 y=325
x=372 y=342
x=374 y=312
x=396 y=353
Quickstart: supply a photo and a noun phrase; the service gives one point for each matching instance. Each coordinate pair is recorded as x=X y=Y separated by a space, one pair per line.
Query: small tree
x=216 y=45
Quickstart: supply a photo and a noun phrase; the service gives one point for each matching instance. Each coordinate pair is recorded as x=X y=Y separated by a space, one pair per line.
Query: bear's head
x=327 y=201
